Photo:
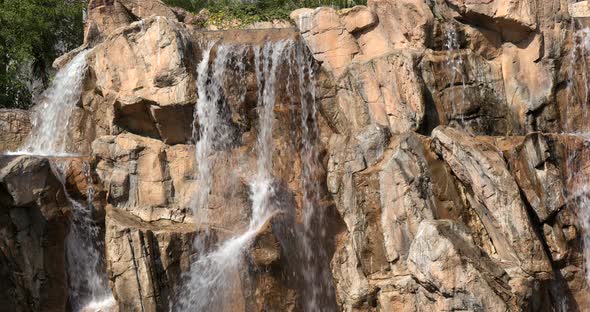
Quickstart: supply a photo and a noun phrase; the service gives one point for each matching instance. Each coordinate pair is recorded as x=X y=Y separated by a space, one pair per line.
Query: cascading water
x=455 y=65
x=51 y=119
x=317 y=276
x=578 y=94
x=88 y=286
x=212 y=131
x=212 y=277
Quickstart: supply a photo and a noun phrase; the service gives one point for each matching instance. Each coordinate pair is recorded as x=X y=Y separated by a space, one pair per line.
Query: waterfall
x=316 y=274
x=455 y=63
x=213 y=276
x=578 y=55
x=88 y=286
x=212 y=131
x=51 y=119
x=579 y=195
x=206 y=113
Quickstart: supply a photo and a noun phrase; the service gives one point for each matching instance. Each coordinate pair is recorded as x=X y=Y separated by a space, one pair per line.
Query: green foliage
x=32 y=34
x=224 y=12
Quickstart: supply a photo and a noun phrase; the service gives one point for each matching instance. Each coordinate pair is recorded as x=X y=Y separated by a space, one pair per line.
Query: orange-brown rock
x=33 y=228
x=14 y=128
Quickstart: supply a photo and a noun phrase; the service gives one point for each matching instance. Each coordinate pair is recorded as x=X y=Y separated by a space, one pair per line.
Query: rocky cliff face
x=438 y=213
x=33 y=227
x=423 y=155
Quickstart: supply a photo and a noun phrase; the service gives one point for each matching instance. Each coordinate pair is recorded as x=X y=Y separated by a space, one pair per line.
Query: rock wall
x=33 y=226
x=449 y=154
x=451 y=160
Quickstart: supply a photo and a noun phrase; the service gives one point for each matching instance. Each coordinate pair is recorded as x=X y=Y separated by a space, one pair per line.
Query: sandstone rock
x=358 y=18
x=529 y=88
x=14 y=128
x=137 y=175
x=33 y=227
x=406 y=23
x=468 y=92
x=444 y=258
x=481 y=168
x=145 y=260
x=148 y=94
x=536 y=172
x=386 y=91
x=382 y=206
x=105 y=16
x=338 y=38
x=513 y=19
x=327 y=37
x=551 y=170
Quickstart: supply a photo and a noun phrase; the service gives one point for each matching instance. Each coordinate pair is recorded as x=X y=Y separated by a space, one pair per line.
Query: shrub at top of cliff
x=235 y=13
x=32 y=34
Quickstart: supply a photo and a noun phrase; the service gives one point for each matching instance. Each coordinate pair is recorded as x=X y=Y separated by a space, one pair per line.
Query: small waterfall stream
x=215 y=278
x=316 y=273
x=51 y=118
x=88 y=286
x=456 y=65
x=50 y=137
x=579 y=94
x=212 y=277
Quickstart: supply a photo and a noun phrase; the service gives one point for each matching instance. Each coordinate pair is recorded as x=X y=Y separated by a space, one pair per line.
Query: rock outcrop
x=426 y=155
x=33 y=226
x=482 y=68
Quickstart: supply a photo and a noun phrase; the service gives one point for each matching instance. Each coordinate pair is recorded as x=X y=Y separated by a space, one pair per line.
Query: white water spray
x=51 y=120
x=213 y=277
x=318 y=290
x=88 y=286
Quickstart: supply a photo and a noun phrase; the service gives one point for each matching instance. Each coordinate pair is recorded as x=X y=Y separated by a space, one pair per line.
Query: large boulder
x=405 y=23
x=327 y=37
x=386 y=91
x=152 y=95
x=552 y=172
x=106 y=16
x=382 y=206
x=495 y=196
x=444 y=258
x=33 y=226
x=146 y=260
x=145 y=177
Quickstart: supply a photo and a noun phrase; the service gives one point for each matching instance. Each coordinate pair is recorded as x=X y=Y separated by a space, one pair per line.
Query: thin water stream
x=88 y=286
x=457 y=67
x=578 y=93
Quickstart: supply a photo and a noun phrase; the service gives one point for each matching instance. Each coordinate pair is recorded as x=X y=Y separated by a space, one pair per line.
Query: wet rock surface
x=451 y=173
